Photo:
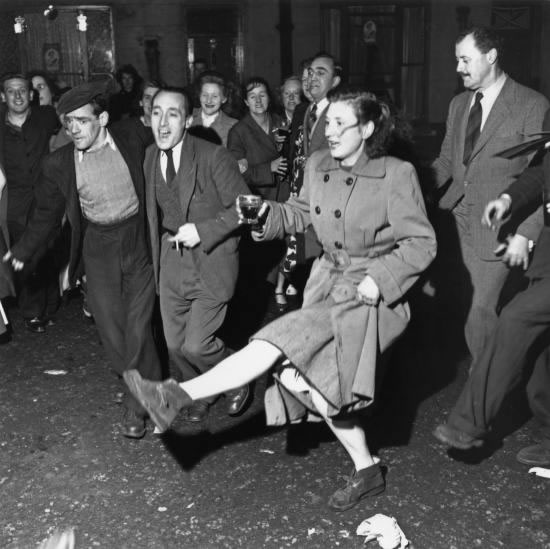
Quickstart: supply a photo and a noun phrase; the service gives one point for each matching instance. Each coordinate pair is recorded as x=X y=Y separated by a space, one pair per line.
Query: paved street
x=234 y=482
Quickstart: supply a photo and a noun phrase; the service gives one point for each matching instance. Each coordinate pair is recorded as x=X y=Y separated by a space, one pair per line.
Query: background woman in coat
x=256 y=146
x=212 y=96
x=369 y=215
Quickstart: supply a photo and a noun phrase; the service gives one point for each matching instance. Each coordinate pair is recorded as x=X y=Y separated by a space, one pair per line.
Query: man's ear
x=335 y=81
x=3 y=96
x=104 y=118
x=189 y=121
x=31 y=94
x=492 y=56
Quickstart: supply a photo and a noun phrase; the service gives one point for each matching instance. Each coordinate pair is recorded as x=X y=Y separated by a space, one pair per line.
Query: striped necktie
x=473 y=128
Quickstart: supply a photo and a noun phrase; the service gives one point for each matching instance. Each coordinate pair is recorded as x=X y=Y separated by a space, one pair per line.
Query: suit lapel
x=318 y=136
x=187 y=173
x=499 y=113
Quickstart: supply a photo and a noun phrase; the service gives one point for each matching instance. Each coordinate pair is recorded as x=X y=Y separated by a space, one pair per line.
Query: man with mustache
x=494 y=113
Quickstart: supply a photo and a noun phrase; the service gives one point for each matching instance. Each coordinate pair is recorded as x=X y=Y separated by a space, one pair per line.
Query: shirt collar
x=322 y=105
x=176 y=150
x=491 y=92
x=109 y=141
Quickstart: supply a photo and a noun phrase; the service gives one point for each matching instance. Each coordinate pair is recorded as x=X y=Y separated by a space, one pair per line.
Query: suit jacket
x=517 y=111
x=530 y=191
x=318 y=140
x=247 y=140
x=6 y=278
x=208 y=183
x=57 y=194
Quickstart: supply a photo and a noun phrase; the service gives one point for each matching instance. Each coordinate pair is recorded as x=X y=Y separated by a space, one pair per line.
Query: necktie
x=170 y=168
x=473 y=128
x=312 y=118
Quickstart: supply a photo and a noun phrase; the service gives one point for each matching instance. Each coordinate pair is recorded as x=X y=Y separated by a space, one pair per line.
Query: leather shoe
x=133 y=425
x=35 y=325
x=238 y=400
x=361 y=484
x=197 y=412
x=162 y=399
x=455 y=438
x=536 y=455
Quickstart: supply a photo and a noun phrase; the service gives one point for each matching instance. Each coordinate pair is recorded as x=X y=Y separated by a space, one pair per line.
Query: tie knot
x=479 y=97
x=168 y=153
x=313 y=112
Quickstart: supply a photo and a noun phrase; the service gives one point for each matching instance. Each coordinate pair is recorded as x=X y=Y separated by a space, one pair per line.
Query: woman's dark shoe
x=162 y=399
x=361 y=484
x=281 y=302
x=237 y=400
x=35 y=325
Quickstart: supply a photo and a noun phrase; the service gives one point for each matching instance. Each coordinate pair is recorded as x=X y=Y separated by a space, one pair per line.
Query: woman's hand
x=243 y=165
x=368 y=292
x=279 y=165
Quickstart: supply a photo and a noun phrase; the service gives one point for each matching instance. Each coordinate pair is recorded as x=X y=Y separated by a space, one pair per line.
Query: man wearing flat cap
x=97 y=180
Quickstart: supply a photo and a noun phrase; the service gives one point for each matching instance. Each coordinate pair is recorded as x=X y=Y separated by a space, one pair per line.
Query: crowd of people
x=134 y=193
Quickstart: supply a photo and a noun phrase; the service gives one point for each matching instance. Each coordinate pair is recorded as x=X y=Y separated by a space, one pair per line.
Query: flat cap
x=81 y=95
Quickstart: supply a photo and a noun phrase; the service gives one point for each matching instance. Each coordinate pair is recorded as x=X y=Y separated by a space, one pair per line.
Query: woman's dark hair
x=131 y=70
x=367 y=108
x=254 y=82
x=54 y=90
x=212 y=77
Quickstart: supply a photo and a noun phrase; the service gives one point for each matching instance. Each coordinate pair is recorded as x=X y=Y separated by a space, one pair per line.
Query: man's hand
x=187 y=235
x=495 y=211
x=243 y=165
x=279 y=166
x=516 y=251
x=15 y=263
x=368 y=291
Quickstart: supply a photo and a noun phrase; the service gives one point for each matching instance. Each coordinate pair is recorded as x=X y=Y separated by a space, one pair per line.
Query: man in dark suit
x=25 y=133
x=98 y=182
x=520 y=336
x=494 y=113
x=194 y=183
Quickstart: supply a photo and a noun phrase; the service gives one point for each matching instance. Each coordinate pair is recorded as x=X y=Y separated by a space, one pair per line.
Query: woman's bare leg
x=235 y=371
x=349 y=432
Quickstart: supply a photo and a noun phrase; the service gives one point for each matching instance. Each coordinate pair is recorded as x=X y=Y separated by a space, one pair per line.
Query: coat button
x=338 y=245
x=326 y=178
x=317 y=210
x=349 y=181
x=337 y=214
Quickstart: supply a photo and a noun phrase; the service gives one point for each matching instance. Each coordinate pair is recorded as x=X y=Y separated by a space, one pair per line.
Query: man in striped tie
x=494 y=113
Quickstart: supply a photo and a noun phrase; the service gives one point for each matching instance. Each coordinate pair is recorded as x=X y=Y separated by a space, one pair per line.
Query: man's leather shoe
x=536 y=455
x=361 y=484
x=133 y=426
x=197 y=412
x=35 y=325
x=238 y=400
x=162 y=399
x=455 y=438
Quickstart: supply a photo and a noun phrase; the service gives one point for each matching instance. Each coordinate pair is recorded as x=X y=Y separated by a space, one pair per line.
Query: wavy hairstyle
x=367 y=108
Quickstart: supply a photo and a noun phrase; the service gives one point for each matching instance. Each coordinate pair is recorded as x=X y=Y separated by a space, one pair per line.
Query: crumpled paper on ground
x=384 y=530
x=540 y=472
